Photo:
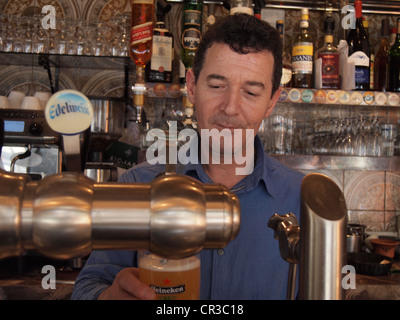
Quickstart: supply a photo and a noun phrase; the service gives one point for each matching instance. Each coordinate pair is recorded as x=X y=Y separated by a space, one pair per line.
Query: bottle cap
x=304 y=11
x=69 y=112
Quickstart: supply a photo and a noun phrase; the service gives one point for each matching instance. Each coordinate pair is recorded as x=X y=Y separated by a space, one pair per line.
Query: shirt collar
x=262 y=172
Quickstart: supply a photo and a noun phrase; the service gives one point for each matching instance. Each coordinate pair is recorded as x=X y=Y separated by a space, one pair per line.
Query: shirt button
x=221 y=252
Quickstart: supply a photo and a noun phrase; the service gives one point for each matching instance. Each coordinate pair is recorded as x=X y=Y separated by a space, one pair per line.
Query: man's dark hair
x=244 y=34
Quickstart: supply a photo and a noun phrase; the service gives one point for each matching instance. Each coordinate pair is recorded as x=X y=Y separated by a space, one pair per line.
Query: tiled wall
x=373 y=197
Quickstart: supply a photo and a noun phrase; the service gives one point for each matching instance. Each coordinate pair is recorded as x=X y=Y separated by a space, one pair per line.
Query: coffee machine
x=30 y=146
x=106 y=128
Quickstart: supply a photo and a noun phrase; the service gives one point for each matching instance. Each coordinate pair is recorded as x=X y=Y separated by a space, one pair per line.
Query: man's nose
x=232 y=101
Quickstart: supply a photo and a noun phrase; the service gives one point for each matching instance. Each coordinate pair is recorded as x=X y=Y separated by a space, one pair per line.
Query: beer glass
x=171 y=279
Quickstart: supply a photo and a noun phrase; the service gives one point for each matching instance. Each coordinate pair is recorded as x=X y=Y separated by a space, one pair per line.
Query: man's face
x=233 y=90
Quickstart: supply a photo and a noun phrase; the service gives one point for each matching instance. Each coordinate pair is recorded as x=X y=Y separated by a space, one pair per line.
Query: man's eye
x=252 y=93
x=215 y=86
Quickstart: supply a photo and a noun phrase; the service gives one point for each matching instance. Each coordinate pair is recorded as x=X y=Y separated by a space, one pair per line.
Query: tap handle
x=287 y=231
x=281 y=222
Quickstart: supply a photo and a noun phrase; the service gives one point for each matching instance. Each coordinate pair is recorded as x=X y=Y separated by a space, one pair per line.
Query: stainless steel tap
x=67 y=215
x=319 y=245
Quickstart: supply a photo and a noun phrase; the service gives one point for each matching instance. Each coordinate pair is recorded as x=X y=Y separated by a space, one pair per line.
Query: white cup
x=43 y=97
x=4 y=103
x=31 y=103
x=15 y=99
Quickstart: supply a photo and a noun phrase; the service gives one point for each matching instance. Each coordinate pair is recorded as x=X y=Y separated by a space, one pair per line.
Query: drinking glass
x=80 y=40
x=374 y=148
x=361 y=139
x=62 y=39
x=52 y=41
x=98 y=46
x=71 y=46
x=28 y=34
x=4 y=102
x=278 y=133
x=15 y=99
x=30 y=103
x=171 y=279
x=124 y=39
x=40 y=36
x=18 y=45
x=8 y=45
x=389 y=133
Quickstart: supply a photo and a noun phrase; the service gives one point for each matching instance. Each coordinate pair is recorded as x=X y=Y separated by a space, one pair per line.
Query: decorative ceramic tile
x=392 y=191
x=390 y=221
x=364 y=190
x=374 y=220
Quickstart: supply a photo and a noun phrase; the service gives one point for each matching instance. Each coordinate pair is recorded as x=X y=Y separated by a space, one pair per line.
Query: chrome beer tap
x=319 y=244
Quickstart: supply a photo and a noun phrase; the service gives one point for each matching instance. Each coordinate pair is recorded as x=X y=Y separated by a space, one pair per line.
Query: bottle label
x=161 y=59
x=330 y=68
x=141 y=33
x=191 y=39
x=359 y=58
x=286 y=76
x=246 y=10
x=192 y=17
x=302 y=57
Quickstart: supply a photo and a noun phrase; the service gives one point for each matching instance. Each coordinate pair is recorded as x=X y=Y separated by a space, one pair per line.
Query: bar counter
x=28 y=286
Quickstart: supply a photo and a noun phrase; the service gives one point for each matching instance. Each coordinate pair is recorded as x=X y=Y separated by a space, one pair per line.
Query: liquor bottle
x=191 y=30
x=359 y=50
x=381 y=58
x=241 y=6
x=287 y=68
x=257 y=12
x=392 y=37
x=302 y=55
x=160 y=67
x=211 y=17
x=372 y=55
x=329 y=55
x=141 y=35
x=394 y=63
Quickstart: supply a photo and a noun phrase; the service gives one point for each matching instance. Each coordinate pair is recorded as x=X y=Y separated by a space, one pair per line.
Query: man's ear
x=273 y=102
x=191 y=85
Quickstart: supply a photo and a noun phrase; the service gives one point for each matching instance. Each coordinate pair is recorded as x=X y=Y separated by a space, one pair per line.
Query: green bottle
x=191 y=30
x=394 y=63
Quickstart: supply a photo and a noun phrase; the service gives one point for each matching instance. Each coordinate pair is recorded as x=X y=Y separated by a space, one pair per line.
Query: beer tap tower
x=318 y=246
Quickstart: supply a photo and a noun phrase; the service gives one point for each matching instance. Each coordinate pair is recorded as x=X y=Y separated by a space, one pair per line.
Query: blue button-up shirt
x=250 y=266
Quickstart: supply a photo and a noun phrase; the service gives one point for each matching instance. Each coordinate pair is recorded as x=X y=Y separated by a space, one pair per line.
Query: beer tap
x=67 y=215
x=319 y=244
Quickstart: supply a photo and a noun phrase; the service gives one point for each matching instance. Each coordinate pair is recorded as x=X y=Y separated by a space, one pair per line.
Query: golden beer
x=171 y=279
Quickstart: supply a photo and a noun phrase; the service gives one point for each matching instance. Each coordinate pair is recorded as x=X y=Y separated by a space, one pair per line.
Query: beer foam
x=154 y=263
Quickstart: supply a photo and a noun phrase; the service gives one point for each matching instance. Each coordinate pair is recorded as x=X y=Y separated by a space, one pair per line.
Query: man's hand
x=127 y=286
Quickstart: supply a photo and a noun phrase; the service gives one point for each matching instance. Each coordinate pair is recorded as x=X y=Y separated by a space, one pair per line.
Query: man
x=234 y=84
